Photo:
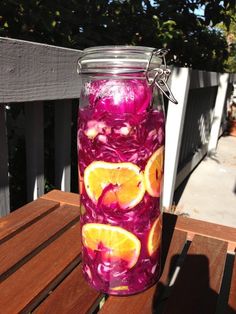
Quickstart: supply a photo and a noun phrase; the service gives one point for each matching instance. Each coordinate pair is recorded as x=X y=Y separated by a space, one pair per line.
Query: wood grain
x=145 y=302
x=25 y=216
x=24 y=289
x=32 y=71
x=73 y=295
x=63 y=197
x=28 y=242
x=198 y=283
x=208 y=229
x=232 y=294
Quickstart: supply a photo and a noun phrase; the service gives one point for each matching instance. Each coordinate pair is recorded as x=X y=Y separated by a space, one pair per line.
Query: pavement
x=209 y=193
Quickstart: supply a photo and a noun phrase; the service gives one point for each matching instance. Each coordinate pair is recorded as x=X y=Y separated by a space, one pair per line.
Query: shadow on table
x=188 y=289
x=168 y=225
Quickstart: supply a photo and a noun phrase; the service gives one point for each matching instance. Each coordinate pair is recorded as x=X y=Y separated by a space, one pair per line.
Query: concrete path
x=210 y=192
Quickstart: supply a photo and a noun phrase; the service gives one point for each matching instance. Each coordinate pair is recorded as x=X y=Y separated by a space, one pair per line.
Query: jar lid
x=118 y=60
x=125 y=60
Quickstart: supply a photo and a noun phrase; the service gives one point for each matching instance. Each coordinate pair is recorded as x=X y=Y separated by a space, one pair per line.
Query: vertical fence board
x=218 y=112
x=4 y=182
x=34 y=149
x=174 y=128
x=63 y=145
x=197 y=125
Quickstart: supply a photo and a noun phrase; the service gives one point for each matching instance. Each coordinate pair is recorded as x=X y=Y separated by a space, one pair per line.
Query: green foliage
x=174 y=24
x=229 y=33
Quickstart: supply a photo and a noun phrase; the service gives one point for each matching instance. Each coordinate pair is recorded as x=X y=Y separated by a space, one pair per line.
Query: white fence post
x=180 y=81
x=4 y=182
x=63 y=145
x=34 y=149
x=218 y=111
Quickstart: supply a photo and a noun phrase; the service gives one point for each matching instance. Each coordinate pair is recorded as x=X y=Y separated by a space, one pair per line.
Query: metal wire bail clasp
x=159 y=76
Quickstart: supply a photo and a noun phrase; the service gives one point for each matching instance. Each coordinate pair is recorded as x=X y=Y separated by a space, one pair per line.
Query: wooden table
x=41 y=272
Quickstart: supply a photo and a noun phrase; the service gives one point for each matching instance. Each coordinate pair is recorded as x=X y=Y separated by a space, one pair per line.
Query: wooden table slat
x=143 y=302
x=208 y=229
x=198 y=283
x=24 y=216
x=63 y=197
x=232 y=294
x=73 y=295
x=24 y=289
x=36 y=235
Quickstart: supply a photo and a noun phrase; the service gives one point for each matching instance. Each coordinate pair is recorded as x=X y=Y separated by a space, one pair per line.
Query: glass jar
x=120 y=152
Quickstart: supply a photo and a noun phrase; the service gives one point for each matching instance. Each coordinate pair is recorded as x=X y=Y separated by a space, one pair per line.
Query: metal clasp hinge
x=159 y=76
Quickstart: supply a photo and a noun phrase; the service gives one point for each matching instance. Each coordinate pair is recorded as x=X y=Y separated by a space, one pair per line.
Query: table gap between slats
x=232 y=294
x=225 y=300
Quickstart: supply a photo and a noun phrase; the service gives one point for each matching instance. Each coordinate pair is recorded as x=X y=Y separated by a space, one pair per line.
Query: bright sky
x=200 y=11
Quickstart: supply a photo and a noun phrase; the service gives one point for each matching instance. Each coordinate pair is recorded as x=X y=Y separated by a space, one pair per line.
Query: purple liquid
x=117 y=125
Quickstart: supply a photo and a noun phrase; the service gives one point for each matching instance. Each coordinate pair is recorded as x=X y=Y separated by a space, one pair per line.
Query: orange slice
x=114 y=183
x=154 y=237
x=154 y=172
x=114 y=242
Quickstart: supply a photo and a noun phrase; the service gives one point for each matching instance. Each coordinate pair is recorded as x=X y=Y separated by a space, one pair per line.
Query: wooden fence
x=32 y=73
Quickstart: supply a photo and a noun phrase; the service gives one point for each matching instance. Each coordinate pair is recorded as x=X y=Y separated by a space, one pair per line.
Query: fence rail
x=33 y=73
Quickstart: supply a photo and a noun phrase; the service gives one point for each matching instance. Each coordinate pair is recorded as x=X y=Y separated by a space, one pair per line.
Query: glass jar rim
x=118 y=59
